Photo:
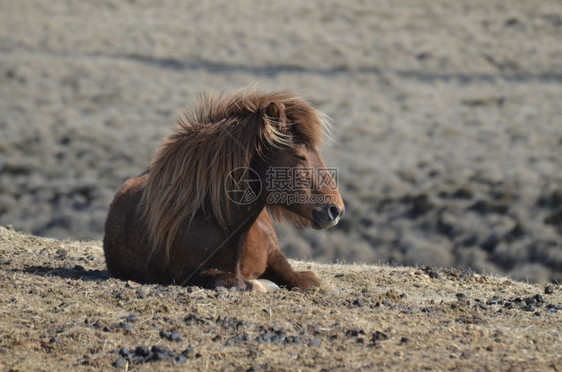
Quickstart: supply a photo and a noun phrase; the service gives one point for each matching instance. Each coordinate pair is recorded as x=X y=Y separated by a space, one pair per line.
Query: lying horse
x=201 y=213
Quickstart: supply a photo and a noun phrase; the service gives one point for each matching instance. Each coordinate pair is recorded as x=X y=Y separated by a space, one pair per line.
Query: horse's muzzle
x=325 y=216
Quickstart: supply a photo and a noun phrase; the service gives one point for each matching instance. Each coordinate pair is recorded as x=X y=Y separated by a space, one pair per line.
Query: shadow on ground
x=77 y=272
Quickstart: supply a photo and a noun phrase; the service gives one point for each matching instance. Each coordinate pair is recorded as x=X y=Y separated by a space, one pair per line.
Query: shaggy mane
x=226 y=131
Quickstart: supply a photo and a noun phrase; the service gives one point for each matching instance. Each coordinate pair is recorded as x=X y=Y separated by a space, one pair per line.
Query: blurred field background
x=447 y=116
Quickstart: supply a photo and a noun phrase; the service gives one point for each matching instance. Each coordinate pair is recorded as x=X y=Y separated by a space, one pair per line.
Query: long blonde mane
x=226 y=131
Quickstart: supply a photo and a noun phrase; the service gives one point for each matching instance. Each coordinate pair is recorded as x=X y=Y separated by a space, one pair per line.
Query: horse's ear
x=276 y=111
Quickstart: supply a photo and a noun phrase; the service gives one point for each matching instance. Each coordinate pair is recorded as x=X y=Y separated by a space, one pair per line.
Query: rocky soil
x=447 y=116
x=61 y=311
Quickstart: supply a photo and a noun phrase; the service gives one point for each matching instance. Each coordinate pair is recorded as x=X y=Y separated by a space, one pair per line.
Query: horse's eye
x=300 y=157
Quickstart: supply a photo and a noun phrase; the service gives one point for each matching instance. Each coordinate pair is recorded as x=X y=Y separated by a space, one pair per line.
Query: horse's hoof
x=263 y=285
x=269 y=285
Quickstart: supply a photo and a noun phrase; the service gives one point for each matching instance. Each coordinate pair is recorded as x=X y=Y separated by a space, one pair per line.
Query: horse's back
x=128 y=248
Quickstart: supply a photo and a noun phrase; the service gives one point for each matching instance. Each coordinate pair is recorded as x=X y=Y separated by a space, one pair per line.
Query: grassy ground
x=61 y=311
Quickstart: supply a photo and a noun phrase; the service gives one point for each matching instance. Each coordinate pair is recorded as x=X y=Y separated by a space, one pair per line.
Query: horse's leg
x=216 y=278
x=280 y=271
x=263 y=258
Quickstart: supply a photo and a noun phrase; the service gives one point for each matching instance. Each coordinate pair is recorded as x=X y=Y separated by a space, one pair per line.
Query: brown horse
x=200 y=214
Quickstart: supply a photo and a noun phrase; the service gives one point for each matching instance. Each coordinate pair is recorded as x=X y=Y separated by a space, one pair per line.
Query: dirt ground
x=447 y=116
x=447 y=136
x=61 y=311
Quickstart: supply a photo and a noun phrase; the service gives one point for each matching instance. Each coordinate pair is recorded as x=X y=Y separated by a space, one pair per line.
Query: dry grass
x=446 y=116
x=60 y=311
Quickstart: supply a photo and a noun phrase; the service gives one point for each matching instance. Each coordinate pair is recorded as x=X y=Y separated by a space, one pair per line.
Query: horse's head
x=275 y=134
x=298 y=185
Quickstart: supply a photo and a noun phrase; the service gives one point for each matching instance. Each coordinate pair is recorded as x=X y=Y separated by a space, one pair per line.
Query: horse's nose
x=334 y=212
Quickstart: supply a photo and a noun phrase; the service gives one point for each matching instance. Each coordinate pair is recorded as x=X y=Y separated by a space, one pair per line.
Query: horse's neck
x=244 y=216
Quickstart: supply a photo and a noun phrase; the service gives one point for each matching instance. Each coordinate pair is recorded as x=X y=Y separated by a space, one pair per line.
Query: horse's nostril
x=334 y=212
